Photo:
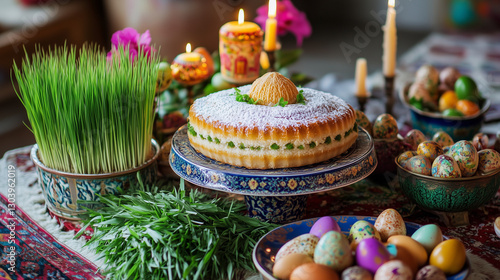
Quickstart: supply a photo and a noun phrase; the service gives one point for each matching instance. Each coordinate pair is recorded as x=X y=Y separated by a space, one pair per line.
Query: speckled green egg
x=489 y=161
x=466 y=156
x=361 y=230
x=363 y=121
x=385 y=127
x=333 y=250
x=429 y=149
x=445 y=167
x=406 y=156
x=419 y=164
x=414 y=137
x=443 y=139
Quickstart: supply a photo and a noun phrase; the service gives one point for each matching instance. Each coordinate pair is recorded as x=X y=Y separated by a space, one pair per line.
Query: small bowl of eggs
x=447 y=178
x=388 y=142
x=359 y=247
x=445 y=101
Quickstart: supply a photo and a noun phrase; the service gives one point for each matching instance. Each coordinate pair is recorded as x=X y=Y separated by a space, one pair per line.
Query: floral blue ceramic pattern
x=266 y=249
x=63 y=194
x=355 y=164
x=276 y=209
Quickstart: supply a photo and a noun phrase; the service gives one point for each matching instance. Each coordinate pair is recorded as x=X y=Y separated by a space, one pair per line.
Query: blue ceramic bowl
x=265 y=250
x=459 y=128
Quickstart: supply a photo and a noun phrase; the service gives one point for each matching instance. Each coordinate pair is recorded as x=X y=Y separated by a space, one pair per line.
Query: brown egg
x=283 y=268
x=314 y=271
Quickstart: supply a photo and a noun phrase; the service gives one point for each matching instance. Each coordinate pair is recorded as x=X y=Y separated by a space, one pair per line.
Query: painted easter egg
x=361 y=230
x=414 y=137
x=443 y=139
x=429 y=236
x=363 y=121
x=489 y=161
x=333 y=250
x=429 y=76
x=419 y=164
x=480 y=141
x=385 y=127
x=395 y=269
x=418 y=91
x=303 y=244
x=416 y=249
x=445 y=166
x=324 y=225
x=406 y=156
x=449 y=256
x=466 y=156
x=390 y=223
x=430 y=272
x=371 y=254
x=429 y=149
x=356 y=273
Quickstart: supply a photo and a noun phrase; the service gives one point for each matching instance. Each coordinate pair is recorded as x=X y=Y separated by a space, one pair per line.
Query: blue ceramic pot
x=64 y=192
x=459 y=128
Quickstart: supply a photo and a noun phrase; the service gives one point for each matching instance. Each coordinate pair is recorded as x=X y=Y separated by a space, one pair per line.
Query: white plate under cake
x=268 y=135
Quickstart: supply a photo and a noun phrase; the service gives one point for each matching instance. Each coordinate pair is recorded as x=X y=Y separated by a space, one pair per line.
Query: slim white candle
x=361 y=78
x=390 y=41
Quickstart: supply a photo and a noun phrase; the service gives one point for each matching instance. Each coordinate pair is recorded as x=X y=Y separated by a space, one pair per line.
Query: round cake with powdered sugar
x=271 y=124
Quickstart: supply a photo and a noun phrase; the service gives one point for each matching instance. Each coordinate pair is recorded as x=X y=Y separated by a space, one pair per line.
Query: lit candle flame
x=188 y=47
x=241 y=16
x=272 y=9
x=392 y=3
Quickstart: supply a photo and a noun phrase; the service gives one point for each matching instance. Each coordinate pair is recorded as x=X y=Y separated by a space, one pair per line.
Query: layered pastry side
x=271 y=124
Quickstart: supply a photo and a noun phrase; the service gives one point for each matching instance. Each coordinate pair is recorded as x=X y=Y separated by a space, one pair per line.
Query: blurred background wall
x=173 y=23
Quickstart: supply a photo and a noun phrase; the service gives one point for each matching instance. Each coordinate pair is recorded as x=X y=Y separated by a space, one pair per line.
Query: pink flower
x=132 y=39
x=289 y=20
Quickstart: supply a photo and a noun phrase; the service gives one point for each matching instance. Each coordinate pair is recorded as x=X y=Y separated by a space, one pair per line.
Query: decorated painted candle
x=190 y=68
x=240 y=45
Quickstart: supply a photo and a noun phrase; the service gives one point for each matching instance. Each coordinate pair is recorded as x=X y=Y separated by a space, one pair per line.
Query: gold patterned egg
x=414 y=137
x=419 y=164
x=406 y=156
x=443 y=139
x=385 y=127
x=429 y=149
x=363 y=121
x=489 y=161
x=464 y=153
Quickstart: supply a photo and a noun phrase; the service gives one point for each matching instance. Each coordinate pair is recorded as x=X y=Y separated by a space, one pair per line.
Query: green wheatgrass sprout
x=89 y=115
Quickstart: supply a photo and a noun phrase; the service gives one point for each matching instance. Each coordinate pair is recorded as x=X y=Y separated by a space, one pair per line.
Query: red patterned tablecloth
x=370 y=197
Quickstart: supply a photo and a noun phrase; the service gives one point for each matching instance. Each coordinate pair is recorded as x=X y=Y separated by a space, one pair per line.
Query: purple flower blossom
x=289 y=19
x=132 y=39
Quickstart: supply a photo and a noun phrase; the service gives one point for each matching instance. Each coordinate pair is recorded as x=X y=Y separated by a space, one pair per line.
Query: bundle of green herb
x=174 y=235
x=89 y=115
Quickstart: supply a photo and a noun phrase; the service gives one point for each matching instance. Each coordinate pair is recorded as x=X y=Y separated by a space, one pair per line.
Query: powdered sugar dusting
x=221 y=108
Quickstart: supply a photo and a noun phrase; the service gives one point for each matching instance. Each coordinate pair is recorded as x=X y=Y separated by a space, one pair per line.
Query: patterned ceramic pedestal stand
x=275 y=195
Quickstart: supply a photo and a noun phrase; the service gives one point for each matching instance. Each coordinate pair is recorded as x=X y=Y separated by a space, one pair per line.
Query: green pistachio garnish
x=242 y=146
x=230 y=144
x=338 y=137
x=289 y=146
x=275 y=146
x=328 y=140
x=209 y=139
x=301 y=147
x=312 y=145
x=217 y=141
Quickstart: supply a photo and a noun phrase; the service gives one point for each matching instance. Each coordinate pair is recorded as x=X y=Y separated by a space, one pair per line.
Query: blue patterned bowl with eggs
x=449 y=198
x=459 y=128
x=267 y=247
